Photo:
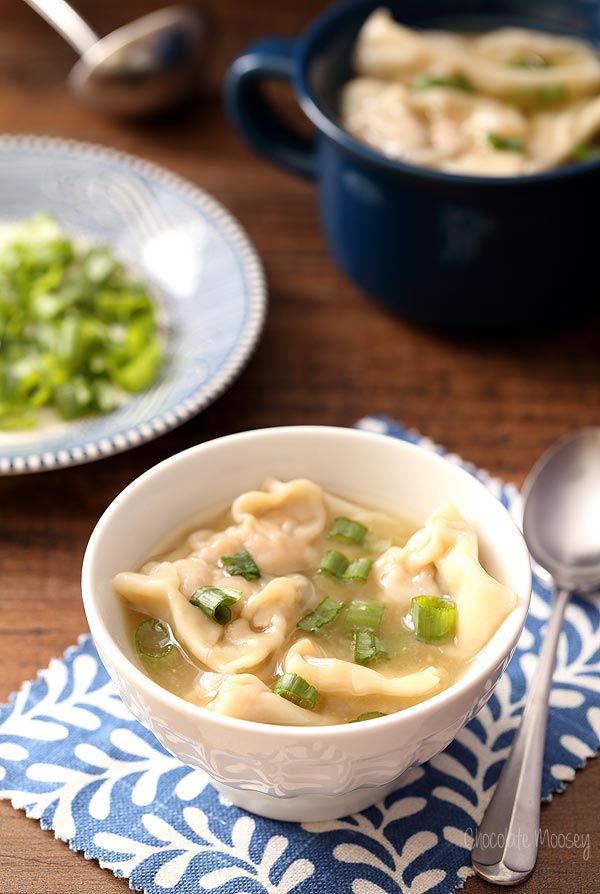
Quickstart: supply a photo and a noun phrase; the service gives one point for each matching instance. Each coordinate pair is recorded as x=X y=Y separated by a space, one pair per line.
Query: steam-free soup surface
x=501 y=103
x=296 y=566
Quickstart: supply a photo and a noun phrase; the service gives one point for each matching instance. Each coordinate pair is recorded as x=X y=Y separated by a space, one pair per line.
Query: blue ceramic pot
x=442 y=249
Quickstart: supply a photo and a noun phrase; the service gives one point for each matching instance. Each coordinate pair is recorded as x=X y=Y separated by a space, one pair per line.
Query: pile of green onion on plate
x=77 y=332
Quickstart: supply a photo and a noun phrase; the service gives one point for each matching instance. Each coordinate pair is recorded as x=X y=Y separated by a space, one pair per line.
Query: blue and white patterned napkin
x=72 y=757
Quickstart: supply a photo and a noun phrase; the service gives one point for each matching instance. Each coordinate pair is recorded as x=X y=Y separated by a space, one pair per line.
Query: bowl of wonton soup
x=469 y=246
x=278 y=769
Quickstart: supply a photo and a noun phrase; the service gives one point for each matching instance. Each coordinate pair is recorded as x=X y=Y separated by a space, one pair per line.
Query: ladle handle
x=64 y=19
x=507 y=840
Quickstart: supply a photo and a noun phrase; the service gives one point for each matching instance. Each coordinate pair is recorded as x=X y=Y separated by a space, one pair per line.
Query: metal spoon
x=561 y=525
x=137 y=69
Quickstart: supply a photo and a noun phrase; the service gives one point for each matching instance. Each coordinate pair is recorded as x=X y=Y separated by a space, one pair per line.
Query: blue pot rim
x=302 y=52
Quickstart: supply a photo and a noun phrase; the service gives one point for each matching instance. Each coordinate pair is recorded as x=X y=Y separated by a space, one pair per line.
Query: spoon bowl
x=561 y=520
x=144 y=66
x=140 y=68
x=561 y=525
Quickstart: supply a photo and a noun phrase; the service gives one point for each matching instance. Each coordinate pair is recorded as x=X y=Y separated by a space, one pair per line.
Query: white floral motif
x=49 y=717
x=185 y=849
x=72 y=755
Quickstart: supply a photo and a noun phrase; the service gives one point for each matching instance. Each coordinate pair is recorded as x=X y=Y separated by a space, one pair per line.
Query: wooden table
x=327 y=355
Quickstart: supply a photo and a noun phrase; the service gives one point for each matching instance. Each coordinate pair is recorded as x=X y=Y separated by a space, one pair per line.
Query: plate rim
x=253 y=274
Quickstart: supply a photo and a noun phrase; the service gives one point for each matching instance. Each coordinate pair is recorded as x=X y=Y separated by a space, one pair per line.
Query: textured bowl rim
x=495 y=651
x=252 y=273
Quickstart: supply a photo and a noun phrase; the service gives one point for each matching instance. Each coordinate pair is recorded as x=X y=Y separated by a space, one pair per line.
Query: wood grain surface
x=327 y=355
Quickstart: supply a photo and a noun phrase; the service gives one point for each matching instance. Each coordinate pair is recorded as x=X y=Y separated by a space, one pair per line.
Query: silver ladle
x=561 y=525
x=140 y=68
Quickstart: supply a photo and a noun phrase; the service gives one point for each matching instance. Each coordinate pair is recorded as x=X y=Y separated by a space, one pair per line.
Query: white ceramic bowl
x=277 y=771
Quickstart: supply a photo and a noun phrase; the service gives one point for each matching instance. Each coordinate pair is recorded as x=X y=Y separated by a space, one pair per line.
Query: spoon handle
x=506 y=843
x=69 y=24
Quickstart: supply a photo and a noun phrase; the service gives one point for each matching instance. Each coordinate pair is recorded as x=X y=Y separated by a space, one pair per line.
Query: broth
x=286 y=528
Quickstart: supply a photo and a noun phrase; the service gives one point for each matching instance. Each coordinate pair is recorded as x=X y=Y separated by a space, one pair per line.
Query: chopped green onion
x=141 y=370
x=585 y=152
x=77 y=333
x=434 y=618
x=326 y=611
x=367 y=647
x=505 y=144
x=334 y=563
x=551 y=93
x=458 y=82
x=242 y=564
x=13 y=418
x=152 y=639
x=74 y=398
x=347 y=531
x=370 y=715
x=358 y=571
x=364 y=615
x=215 y=602
x=296 y=690
x=530 y=62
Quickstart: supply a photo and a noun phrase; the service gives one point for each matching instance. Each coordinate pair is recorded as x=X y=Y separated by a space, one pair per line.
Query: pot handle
x=254 y=117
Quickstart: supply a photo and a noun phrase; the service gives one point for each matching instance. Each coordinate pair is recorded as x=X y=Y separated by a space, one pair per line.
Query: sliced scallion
x=531 y=62
x=215 y=602
x=457 y=82
x=364 y=615
x=346 y=530
x=296 y=690
x=326 y=611
x=152 y=639
x=369 y=715
x=334 y=563
x=505 y=144
x=77 y=332
x=358 y=570
x=242 y=564
x=367 y=647
x=434 y=618
x=551 y=93
x=585 y=152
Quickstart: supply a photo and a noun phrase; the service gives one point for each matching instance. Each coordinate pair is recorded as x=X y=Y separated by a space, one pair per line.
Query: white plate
x=189 y=250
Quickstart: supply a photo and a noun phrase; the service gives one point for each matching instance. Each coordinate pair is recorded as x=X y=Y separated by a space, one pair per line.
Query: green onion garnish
x=334 y=563
x=458 y=82
x=215 y=602
x=530 y=62
x=505 y=144
x=77 y=332
x=434 y=618
x=241 y=564
x=358 y=571
x=364 y=615
x=370 y=715
x=296 y=690
x=367 y=647
x=585 y=152
x=152 y=639
x=347 y=531
x=325 y=612
x=551 y=93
